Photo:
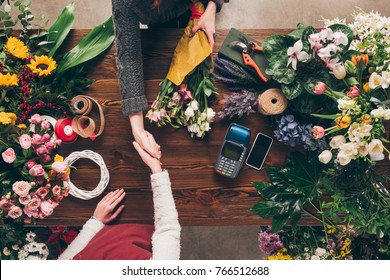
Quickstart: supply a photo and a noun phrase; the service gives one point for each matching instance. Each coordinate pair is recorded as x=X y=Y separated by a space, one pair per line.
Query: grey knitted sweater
x=127 y=14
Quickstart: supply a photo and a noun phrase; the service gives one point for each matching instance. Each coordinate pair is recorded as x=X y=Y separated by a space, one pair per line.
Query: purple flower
x=238 y=104
x=269 y=242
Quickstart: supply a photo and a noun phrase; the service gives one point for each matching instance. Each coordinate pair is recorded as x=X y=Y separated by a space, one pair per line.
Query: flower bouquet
x=185 y=93
x=36 y=85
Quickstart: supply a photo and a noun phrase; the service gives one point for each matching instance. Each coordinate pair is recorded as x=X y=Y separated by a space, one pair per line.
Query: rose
x=5 y=204
x=46 y=137
x=25 y=200
x=9 y=155
x=56 y=190
x=21 y=188
x=319 y=88
x=15 y=212
x=34 y=204
x=45 y=158
x=318 y=132
x=45 y=125
x=37 y=170
x=353 y=92
x=41 y=150
x=30 y=163
x=42 y=192
x=46 y=208
x=50 y=146
x=31 y=213
x=36 y=119
x=25 y=141
x=36 y=139
x=325 y=156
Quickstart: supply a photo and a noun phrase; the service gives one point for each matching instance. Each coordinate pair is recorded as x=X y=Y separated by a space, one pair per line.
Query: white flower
x=189 y=112
x=210 y=115
x=375 y=80
x=375 y=147
x=328 y=51
x=15 y=247
x=377 y=157
x=337 y=141
x=385 y=79
x=194 y=105
x=378 y=113
x=363 y=149
x=325 y=156
x=320 y=252
x=343 y=159
x=6 y=251
x=358 y=131
x=349 y=149
x=30 y=236
x=193 y=128
x=339 y=71
x=340 y=38
x=345 y=104
x=296 y=54
x=315 y=258
x=386 y=114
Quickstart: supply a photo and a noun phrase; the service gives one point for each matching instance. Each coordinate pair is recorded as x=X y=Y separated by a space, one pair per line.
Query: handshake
x=148 y=150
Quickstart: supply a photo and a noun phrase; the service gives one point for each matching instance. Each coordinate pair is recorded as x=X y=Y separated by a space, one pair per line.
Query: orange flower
x=357 y=58
x=366 y=119
x=366 y=87
x=343 y=121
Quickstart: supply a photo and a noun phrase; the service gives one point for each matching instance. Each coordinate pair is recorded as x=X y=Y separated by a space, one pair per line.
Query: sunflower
x=16 y=48
x=8 y=80
x=42 y=65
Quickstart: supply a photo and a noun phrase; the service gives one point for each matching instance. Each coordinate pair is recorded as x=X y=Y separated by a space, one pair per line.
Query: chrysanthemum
x=16 y=48
x=42 y=65
x=8 y=80
x=7 y=118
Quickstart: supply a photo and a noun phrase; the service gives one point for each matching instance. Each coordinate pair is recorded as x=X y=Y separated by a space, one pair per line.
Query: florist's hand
x=147 y=142
x=153 y=163
x=105 y=210
x=207 y=22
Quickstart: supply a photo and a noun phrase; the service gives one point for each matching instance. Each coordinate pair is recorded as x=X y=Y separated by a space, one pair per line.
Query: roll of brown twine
x=272 y=102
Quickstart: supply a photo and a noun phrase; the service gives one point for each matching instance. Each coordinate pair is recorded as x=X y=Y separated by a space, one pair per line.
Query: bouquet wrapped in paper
x=186 y=91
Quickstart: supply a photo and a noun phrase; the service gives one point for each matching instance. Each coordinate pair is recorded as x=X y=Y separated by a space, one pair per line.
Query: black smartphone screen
x=259 y=151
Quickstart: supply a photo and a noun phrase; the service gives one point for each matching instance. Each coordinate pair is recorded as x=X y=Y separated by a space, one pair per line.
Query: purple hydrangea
x=269 y=242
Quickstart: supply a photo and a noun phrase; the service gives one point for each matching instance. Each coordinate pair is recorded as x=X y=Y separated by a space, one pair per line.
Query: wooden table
x=202 y=197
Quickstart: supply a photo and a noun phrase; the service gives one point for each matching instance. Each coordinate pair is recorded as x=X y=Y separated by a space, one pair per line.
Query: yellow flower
x=7 y=118
x=280 y=256
x=8 y=80
x=16 y=48
x=42 y=65
x=366 y=119
x=22 y=126
x=366 y=87
x=343 y=121
x=58 y=158
x=357 y=58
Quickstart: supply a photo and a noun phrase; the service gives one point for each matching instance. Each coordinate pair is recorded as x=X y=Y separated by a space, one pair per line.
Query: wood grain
x=202 y=197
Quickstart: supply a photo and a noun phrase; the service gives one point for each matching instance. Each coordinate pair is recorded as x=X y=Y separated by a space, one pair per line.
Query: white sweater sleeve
x=89 y=230
x=166 y=237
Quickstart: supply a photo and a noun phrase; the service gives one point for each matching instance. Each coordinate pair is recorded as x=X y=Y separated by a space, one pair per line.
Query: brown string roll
x=272 y=102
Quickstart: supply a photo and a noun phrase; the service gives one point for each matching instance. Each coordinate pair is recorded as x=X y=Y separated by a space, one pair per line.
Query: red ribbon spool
x=64 y=131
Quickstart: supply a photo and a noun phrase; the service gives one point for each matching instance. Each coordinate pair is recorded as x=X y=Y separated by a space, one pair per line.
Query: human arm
x=166 y=237
x=105 y=212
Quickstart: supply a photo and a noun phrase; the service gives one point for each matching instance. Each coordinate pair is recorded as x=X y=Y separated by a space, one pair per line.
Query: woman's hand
x=105 y=210
x=207 y=22
x=153 y=163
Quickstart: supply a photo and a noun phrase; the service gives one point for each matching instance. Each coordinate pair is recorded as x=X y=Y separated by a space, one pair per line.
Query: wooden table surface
x=202 y=197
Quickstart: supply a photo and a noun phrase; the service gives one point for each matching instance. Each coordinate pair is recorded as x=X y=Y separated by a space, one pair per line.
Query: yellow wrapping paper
x=189 y=52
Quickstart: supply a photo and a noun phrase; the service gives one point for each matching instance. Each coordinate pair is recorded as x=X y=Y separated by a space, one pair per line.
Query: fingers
x=156 y=147
x=117 y=212
x=210 y=37
x=116 y=198
x=194 y=29
x=140 y=151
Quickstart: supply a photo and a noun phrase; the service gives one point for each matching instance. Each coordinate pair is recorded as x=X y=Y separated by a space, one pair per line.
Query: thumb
x=195 y=29
x=140 y=151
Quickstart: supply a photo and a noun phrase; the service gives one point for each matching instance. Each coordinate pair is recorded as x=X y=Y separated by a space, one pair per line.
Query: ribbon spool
x=63 y=130
x=81 y=124
x=272 y=102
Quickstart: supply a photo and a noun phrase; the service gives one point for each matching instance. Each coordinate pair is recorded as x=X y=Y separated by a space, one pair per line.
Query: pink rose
x=59 y=166
x=65 y=193
x=58 y=142
x=318 y=132
x=21 y=188
x=41 y=150
x=45 y=125
x=30 y=163
x=31 y=213
x=37 y=170
x=353 y=92
x=42 y=192
x=319 y=88
x=45 y=158
x=25 y=141
x=36 y=139
x=58 y=199
x=15 y=212
x=47 y=208
x=25 y=200
x=50 y=146
x=5 y=204
x=36 y=119
x=34 y=204
x=9 y=155
x=46 y=137
x=56 y=190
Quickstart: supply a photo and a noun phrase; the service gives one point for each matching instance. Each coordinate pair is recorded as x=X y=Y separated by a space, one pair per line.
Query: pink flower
x=34 y=204
x=185 y=92
x=21 y=188
x=176 y=97
x=31 y=213
x=353 y=92
x=30 y=163
x=58 y=142
x=5 y=204
x=36 y=139
x=153 y=115
x=59 y=166
x=47 y=208
x=155 y=104
x=56 y=190
x=42 y=192
x=318 y=132
x=41 y=150
x=328 y=51
x=65 y=193
x=45 y=158
x=15 y=212
x=37 y=170
x=45 y=125
x=36 y=119
x=46 y=137
x=319 y=88
x=50 y=146
x=296 y=54
x=340 y=38
x=25 y=141
x=9 y=155
x=25 y=200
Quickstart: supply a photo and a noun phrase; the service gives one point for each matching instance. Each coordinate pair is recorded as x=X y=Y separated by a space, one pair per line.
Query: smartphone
x=259 y=151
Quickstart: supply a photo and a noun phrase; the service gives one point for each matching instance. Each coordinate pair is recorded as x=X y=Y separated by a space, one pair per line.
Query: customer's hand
x=106 y=211
x=153 y=163
x=147 y=142
x=207 y=22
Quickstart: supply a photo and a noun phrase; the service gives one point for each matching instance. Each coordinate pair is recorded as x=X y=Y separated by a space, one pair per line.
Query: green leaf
x=305 y=37
x=278 y=222
x=60 y=29
x=297 y=33
x=292 y=90
x=275 y=46
x=265 y=209
x=346 y=30
x=280 y=72
x=93 y=44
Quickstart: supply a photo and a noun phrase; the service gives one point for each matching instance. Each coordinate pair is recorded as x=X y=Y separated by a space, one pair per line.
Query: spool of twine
x=272 y=102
